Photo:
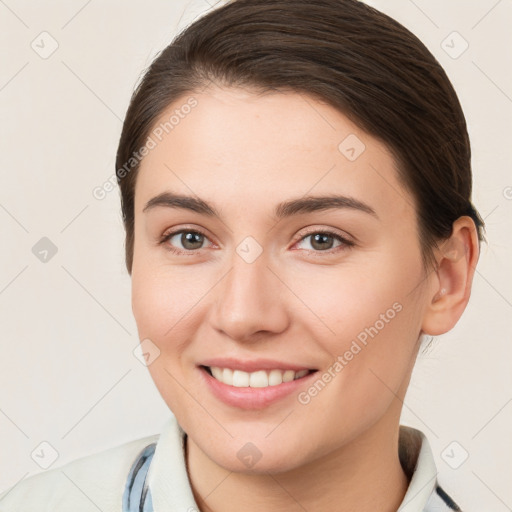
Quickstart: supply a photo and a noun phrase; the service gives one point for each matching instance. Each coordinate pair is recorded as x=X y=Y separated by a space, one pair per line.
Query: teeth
x=276 y=377
x=217 y=372
x=240 y=379
x=227 y=376
x=258 y=379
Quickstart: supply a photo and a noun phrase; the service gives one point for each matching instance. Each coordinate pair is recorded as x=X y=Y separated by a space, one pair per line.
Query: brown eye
x=184 y=240
x=323 y=241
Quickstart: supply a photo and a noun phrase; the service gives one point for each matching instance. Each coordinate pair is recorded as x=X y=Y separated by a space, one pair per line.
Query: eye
x=322 y=241
x=190 y=240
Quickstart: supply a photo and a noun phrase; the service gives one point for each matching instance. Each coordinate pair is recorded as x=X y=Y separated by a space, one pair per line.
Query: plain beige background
x=68 y=374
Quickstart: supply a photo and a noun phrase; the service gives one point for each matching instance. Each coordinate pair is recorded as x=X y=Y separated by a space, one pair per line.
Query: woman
x=296 y=194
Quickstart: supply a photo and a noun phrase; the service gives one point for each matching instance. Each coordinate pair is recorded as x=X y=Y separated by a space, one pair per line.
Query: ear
x=451 y=283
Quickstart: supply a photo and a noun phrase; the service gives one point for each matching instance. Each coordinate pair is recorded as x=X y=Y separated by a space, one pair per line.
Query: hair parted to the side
x=342 y=52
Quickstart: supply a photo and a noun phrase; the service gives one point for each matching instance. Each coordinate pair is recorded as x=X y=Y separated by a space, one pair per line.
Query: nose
x=250 y=302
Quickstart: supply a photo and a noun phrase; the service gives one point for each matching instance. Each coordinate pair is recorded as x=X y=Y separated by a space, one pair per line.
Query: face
x=253 y=278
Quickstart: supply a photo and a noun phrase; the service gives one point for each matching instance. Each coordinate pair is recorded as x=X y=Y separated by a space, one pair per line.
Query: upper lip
x=252 y=365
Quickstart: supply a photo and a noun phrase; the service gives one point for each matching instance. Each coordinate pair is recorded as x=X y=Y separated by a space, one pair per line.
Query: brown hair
x=342 y=52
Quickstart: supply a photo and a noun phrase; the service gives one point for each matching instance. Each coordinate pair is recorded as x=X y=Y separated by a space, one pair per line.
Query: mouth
x=262 y=378
x=254 y=383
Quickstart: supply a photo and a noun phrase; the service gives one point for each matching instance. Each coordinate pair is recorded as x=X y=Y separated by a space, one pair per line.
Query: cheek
x=374 y=320
x=168 y=306
x=162 y=300
x=149 y=302
x=160 y=313
x=344 y=302
x=157 y=309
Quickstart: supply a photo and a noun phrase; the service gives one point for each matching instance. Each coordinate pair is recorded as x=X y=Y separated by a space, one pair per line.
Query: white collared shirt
x=118 y=479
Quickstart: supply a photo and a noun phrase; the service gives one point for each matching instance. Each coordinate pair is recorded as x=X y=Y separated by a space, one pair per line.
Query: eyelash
x=345 y=244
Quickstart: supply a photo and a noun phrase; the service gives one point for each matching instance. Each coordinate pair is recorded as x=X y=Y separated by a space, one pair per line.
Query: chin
x=278 y=462
x=246 y=457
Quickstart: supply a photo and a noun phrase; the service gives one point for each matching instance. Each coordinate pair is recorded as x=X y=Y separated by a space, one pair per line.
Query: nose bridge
x=249 y=299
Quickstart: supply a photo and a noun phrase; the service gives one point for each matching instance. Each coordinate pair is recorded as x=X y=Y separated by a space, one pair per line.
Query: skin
x=244 y=153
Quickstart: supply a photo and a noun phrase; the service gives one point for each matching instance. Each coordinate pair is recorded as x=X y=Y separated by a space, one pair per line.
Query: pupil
x=321 y=237
x=188 y=238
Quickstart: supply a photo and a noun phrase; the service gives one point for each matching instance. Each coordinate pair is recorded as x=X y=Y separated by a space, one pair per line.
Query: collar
x=418 y=464
x=170 y=487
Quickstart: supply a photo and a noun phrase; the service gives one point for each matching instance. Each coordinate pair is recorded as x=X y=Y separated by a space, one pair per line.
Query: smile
x=256 y=379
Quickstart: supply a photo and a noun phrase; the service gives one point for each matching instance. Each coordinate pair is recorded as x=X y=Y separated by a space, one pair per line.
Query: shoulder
x=94 y=482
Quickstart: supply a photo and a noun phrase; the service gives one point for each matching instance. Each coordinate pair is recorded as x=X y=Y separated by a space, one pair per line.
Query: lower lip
x=252 y=398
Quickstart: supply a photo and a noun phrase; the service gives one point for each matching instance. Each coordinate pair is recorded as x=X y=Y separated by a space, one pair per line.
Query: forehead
x=235 y=145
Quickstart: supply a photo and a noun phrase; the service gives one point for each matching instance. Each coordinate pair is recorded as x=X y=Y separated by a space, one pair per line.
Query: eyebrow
x=285 y=209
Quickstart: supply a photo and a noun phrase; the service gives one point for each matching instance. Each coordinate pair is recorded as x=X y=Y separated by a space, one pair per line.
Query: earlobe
x=451 y=283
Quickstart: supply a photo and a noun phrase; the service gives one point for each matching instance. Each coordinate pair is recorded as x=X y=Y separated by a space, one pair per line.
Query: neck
x=364 y=475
